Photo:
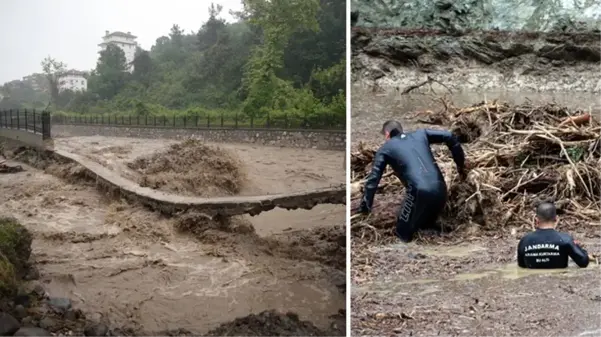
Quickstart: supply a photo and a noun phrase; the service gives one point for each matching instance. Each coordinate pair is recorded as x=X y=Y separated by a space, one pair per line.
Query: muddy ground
x=146 y=274
x=455 y=284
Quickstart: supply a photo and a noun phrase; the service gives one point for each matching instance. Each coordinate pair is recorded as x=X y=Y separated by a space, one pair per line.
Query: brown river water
x=128 y=264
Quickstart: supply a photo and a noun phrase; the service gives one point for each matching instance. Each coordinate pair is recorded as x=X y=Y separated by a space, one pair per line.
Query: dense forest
x=279 y=57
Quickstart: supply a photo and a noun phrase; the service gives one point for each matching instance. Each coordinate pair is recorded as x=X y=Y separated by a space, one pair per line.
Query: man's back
x=548 y=249
x=410 y=156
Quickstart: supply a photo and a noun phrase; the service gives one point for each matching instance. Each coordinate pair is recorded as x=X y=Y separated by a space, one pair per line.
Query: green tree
x=53 y=68
x=111 y=73
x=278 y=19
x=142 y=65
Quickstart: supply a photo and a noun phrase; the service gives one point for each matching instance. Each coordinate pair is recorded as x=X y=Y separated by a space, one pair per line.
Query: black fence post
x=11 y=118
x=222 y=119
x=46 y=129
x=268 y=122
x=236 y=120
x=26 y=124
x=305 y=121
x=208 y=120
x=34 y=130
x=196 y=121
x=185 y=118
x=174 y=117
x=252 y=121
x=286 y=121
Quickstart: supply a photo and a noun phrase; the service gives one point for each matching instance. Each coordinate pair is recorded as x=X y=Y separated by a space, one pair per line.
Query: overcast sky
x=70 y=30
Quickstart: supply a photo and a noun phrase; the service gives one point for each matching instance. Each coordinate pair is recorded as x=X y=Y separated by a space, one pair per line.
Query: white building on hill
x=73 y=80
x=125 y=41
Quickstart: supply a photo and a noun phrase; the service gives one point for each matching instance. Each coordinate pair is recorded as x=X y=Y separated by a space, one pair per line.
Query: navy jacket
x=411 y=158
x=548 y=248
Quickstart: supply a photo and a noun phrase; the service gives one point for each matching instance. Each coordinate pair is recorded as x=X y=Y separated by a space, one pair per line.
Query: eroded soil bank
x=144 y=273
x=402 y=60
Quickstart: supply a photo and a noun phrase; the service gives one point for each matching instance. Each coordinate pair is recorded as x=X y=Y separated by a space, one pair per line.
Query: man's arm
x=372 y=181
x=577 y=253
x=439 y=137
x=521 y=252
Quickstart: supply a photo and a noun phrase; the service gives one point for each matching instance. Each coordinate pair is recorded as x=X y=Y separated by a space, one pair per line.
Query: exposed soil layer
x=192 y=168
x=494 y=59
x=154 y=270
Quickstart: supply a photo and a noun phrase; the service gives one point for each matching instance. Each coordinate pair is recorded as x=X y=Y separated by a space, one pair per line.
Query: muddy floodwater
x=131 y=266
x=465 y=285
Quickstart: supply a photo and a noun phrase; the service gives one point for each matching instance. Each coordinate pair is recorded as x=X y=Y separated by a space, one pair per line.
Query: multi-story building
x=72 y=80
x=125 y=41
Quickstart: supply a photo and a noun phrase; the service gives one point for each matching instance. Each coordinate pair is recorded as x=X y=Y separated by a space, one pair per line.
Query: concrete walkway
x=225 y=206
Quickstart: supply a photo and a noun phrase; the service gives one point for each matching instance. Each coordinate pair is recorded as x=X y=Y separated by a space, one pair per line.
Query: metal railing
x=206 y=121
x=37 y=122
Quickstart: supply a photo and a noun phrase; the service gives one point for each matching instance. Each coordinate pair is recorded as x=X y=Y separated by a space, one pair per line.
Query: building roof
x=102 y=44
x=120 y=34
x=73 y=72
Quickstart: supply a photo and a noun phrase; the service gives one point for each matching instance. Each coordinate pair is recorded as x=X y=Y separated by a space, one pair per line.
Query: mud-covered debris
x=192 y=168
x=520 y=155
x=268 y=323
x=5 y=168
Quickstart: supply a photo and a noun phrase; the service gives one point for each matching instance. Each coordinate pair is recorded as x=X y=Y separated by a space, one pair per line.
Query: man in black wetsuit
x=411 y=158
x=546 y=248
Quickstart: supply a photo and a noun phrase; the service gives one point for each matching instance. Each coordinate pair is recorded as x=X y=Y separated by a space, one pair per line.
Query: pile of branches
x=519 y=156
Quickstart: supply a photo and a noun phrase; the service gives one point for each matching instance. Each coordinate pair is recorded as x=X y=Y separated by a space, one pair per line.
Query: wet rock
x=22 y=299
x=31 y=331
x=59 y=304
x=32 y=274
x=39 y=291
x=20 y=311
x=71 y=315
x=27 y=320
x=96 y=329
x=8 y=325
x=47 y=323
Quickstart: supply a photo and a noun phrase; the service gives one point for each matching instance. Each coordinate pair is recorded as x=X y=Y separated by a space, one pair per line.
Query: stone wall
x=323 y=140
x=23 y=137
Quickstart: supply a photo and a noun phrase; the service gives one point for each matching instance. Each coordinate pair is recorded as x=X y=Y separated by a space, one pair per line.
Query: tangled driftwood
x=520 y=155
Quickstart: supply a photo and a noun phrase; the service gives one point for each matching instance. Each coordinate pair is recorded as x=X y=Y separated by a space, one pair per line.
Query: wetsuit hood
x=395 y=133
